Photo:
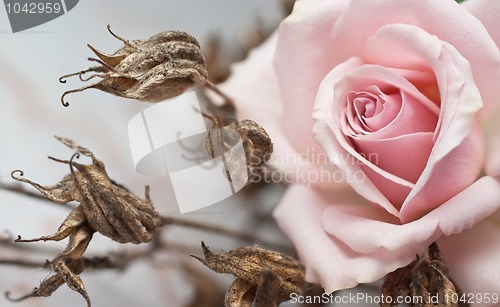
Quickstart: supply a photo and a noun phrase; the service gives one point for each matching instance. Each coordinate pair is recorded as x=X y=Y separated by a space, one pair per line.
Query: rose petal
x=492 y=144
x=445 y=19
x=326 y=259
x=415 y=107
x=488 y=12
x=372 y=109
x=399 y=156
x=367 y=230
x=472 y=259
x=450 y=175
x=301 y=65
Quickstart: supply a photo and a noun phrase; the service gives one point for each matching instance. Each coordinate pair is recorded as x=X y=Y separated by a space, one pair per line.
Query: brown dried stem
x=24 y=263
x=168 y=220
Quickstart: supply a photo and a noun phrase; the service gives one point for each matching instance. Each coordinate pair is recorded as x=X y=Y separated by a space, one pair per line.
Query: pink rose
x=402 y=98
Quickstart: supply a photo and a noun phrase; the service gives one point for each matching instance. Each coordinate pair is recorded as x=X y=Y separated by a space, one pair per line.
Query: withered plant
x=104 y=207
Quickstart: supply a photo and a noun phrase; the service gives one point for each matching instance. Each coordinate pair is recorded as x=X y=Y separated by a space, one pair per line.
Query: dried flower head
x=155 y=69
x=265 y=276
x=425 y=278
x=104 y=207
x=256 y=142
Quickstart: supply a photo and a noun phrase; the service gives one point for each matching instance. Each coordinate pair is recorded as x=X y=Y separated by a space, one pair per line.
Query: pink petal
x=416 y=112
x=303 y=57
x=373 y=111
x=327 y=260
x=399 y=155
x=449 y=176
x=472 y=259
x=491 y=127
x=445 y=19
x=366 y=230
x=488 y=12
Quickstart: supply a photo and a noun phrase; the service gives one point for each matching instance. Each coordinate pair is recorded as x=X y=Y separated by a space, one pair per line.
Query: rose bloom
x=401 y=98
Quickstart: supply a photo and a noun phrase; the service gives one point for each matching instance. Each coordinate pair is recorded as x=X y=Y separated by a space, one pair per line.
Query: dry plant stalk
x=425 y=278
x=104 y=207
x=265 y=277
x=155 y=69
x=256 y=142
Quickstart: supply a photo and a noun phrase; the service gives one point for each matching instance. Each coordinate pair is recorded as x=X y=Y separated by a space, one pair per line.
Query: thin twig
x=24 y=263
x=168 y=220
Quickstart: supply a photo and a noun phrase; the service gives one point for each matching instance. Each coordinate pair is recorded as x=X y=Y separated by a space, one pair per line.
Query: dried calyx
x=264 y=277
x=104 y=207
x=155 y=69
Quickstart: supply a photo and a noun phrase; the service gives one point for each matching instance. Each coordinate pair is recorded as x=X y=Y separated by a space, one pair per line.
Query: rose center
x=371 y=109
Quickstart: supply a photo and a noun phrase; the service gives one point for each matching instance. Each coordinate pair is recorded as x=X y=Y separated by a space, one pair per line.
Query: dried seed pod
x=270 y=272
x=256 y=142
x=426 y=278
x=105 y=207
x=161 y=67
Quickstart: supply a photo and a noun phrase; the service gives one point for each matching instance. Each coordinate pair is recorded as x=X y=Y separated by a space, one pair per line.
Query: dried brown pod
x=221 y=136
x=425 y=280
x=266 y=277
x=155 y=69
x=104 y=207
